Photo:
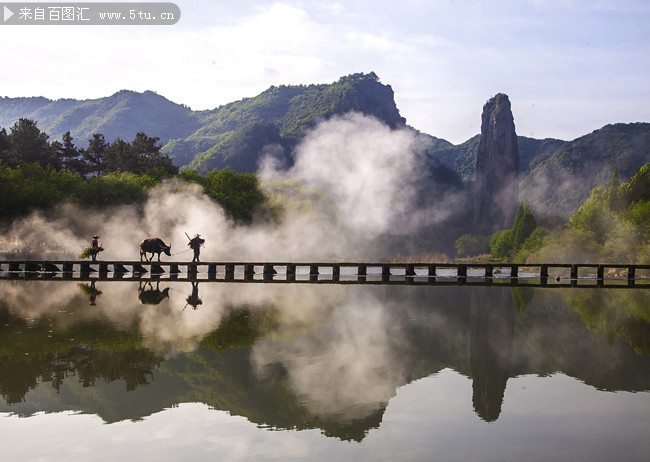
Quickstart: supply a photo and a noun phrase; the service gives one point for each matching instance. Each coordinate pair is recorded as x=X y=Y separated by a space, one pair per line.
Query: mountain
x=556 y=176
x=561 y=182
x=121 y=115
x=233 y=135
x=229 y=136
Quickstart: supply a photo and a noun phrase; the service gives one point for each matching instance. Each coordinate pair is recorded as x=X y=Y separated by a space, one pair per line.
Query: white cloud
x=443 y=59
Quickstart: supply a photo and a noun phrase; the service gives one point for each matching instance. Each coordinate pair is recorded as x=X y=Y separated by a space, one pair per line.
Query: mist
x=355 y=184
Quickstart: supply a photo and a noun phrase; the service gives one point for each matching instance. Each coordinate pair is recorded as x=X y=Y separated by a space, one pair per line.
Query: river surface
x=170 y=370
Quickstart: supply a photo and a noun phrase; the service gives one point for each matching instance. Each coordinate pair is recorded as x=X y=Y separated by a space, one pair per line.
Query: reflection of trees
x=491 y=347
x=620 y=313
x=468 y=329
x=89 y=351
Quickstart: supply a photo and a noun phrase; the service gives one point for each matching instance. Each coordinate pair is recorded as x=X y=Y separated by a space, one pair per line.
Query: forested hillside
x=230 y=136
x=556 y=176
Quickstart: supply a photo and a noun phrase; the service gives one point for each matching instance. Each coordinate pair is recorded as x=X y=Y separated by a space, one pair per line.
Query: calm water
x=235 y=371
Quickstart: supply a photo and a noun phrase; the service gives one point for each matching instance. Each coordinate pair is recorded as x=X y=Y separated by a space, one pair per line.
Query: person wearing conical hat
x=195 y=243
x=95 y=245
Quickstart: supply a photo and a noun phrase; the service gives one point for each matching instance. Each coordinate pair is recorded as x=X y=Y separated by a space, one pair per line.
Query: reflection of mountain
x=491 y=349
x=337 y=373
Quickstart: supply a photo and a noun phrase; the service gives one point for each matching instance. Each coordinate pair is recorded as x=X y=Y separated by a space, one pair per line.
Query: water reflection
x=151 y=296
x=193 y=299
x=299 y=356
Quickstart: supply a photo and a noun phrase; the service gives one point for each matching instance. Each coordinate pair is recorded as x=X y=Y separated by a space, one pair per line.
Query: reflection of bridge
x=537 y=275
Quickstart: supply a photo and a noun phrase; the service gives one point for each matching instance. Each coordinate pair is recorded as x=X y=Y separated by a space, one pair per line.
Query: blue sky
x=569 y=67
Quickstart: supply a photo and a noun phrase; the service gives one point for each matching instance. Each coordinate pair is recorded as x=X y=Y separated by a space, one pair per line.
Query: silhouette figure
x=193 y=300
x=151 y=296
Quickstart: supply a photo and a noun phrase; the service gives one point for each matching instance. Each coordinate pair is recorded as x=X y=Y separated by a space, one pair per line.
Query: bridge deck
x=340 y=272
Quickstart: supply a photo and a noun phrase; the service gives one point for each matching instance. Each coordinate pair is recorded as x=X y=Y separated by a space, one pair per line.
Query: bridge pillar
x=514 y=271
x=543 y=275
x=431 y=271
x=574 y=275
x=249 y=272
x=230 y=272
x=362 y=269
x=461 y=273
x=631 y=275
x=138 y=268
x=336 y=272
x=410 y=270
x=156 y=268
x=291 y=271
x=385 y=273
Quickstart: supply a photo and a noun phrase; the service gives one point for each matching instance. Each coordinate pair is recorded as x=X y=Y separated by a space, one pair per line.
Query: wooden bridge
x=568 y=275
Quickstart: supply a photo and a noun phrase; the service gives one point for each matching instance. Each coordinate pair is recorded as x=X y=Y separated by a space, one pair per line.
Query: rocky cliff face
x=496 y=194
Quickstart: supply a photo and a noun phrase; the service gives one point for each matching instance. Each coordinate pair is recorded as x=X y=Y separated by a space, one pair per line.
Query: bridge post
x=574 y=275
x=385 y=273
x=85 y=268
x=336 y=272
x=514 y=272
x=431 y=271
x=118 y=268
x=291 y=271
x=461 y=273
x=313 y=272
x=489 y=272
x=268 y=271
x=410 y=270
x=138 y=268
x=192 y=269
x=173 y=268
x=631 y=274
x=362 y=269
x=543 y=275
x=14 y=267
x=249 y=271
x=230 y=272
x=600 y=275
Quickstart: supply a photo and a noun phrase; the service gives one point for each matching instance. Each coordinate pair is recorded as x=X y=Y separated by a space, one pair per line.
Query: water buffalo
x=153 y=245
x=151 y=296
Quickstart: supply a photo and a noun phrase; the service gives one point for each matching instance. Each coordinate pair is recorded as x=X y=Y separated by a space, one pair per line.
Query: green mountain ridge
x=556 y=176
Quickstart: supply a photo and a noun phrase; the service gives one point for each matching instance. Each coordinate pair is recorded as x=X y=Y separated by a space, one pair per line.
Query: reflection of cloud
x=166 y=326
x=350 y=366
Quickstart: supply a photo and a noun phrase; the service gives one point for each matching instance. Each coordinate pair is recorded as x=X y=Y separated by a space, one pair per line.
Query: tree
x=69 y=156
x=615 y=194
x=29 y=145
x=146 y=152
x=238 y=193
x=468 y=244
x=523 y=226
x=95 y=154
x=4 y=145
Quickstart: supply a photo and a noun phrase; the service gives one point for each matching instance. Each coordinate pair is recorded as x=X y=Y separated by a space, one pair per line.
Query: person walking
x=94 y=245
x=195 y=243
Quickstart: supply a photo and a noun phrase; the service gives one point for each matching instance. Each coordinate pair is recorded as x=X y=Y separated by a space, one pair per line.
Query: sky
x=569 y=67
